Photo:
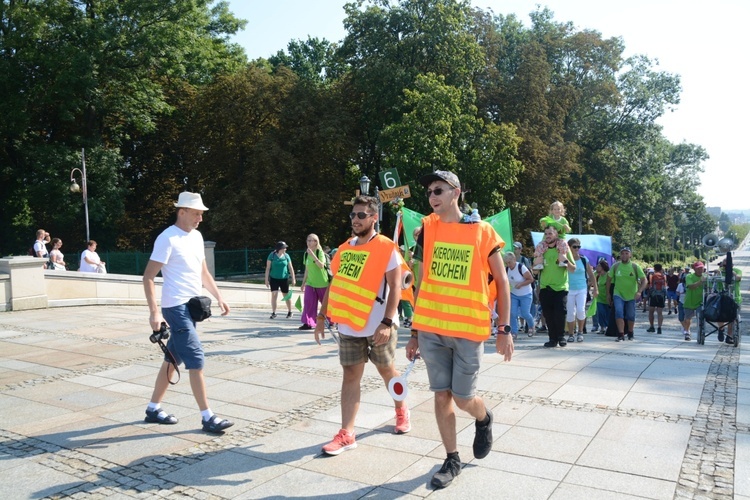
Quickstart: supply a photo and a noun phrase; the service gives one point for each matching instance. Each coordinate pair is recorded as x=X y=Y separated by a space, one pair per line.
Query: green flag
x=288 y=296
x=411 y=221
x=298 y=304
x=501 y=223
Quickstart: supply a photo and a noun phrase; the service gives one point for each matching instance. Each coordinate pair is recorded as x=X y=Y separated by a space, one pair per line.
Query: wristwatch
x=387 y=322
x=503 y=329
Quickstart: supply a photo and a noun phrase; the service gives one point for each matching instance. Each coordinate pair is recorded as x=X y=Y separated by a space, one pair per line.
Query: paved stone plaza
x=657 y=417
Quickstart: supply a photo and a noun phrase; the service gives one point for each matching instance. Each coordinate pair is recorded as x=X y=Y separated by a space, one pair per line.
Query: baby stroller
x=719 y=308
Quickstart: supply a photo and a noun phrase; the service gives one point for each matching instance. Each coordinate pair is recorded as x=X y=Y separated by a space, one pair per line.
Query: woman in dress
x=56 y=256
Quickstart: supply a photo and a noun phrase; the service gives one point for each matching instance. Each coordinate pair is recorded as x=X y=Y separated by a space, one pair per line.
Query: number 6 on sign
x=389 y=178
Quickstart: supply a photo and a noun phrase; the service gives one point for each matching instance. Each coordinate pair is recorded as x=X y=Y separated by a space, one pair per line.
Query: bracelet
x=320 y=316
x=414 y=333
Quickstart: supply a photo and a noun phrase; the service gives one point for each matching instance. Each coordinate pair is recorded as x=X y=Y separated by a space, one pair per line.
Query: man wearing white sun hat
x=180 y=256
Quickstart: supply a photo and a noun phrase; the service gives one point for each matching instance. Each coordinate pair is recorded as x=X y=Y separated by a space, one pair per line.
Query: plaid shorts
x=356 y=350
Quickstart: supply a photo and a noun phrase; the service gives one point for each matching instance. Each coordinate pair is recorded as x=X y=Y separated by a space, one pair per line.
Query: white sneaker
x=538 y=267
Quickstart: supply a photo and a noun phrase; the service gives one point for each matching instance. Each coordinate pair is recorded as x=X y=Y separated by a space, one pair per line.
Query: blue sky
x=701 y=41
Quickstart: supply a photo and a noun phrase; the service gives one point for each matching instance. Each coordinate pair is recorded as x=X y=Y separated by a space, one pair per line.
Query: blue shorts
x=672 y=294
x=183 y=343
x=624 y=309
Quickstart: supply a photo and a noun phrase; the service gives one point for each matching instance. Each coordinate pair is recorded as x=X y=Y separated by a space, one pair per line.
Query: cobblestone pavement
x=653 y=418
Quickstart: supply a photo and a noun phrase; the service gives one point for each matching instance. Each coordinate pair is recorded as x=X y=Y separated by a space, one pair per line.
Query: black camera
x=162 y=334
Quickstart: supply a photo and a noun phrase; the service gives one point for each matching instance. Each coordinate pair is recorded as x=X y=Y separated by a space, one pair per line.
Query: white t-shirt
x=39 y=246
x=85 y=266
x=681 y=293
x=378 y=310
x=182 y=255
x=515 y=276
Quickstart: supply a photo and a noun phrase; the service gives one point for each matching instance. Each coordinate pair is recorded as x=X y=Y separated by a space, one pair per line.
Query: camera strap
x=171 y=360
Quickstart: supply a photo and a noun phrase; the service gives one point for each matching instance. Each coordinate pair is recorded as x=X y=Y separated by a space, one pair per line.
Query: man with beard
x=363 y=299
x=630 y=281
x=553 y=289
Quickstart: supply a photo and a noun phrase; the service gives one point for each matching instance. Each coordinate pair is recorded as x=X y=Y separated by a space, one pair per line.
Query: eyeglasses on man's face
x=437 y=191
x=359 y=215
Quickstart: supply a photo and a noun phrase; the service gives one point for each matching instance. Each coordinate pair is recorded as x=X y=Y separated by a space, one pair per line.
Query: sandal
x=216 y=425
x=160 y=417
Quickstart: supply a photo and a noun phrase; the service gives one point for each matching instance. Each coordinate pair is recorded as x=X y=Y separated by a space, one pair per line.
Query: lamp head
x=364 y=185
x=74 y=187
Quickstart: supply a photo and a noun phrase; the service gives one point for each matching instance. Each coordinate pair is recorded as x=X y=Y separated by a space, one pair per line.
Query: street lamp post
x=364 y=187
x=75 y=188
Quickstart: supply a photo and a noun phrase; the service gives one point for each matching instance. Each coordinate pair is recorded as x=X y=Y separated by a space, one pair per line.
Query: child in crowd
x=556 y=220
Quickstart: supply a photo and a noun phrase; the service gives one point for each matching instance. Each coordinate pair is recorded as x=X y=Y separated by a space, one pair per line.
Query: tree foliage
x=163 y=102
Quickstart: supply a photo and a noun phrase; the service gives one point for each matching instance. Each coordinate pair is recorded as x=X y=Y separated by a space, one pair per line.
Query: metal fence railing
x=228 y=263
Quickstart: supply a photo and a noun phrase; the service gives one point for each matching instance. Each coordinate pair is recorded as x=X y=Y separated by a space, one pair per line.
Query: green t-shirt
x=316 y=277
x=737 y=278
x=554 y=275
x=626 y=276
x=601 y=282
x=279 y=266
x=558 y=224
x=693 y=296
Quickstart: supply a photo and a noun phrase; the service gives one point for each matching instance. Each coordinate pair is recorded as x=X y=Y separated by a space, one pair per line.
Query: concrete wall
x=72 y=288
x=25 y=285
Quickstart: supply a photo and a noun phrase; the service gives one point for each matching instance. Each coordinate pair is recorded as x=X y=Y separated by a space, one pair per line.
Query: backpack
x=720 y=308
x=658 y=283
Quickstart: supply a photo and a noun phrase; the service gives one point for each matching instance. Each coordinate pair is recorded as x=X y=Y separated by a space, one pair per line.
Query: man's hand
x=382 y=334
x=504 y=346
x=412 y=348
x=155 y=320
x=320 y=328
x=224 y=307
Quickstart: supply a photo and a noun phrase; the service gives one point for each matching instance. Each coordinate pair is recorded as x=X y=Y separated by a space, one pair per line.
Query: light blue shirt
x=577 y=279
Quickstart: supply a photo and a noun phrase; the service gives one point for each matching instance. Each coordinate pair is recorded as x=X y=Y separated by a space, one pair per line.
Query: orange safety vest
x=454 y=292
x=358 y=273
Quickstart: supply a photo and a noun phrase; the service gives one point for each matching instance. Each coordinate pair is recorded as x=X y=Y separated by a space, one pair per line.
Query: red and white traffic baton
x=398 y=387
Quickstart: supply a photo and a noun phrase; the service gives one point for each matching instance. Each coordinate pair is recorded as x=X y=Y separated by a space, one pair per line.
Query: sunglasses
x=436 y=191
x=575 y=246
x=359 y=215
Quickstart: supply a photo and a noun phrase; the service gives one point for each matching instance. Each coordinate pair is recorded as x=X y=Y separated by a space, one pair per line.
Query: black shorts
x=656 y=299
x=279 y=284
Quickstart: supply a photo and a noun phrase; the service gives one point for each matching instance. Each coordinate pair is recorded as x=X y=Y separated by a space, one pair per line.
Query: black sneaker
x=305 y=327
x=550 y=344
x=563 y=342
x=650 y=329
x=542 y=329
x=215 y=425
x=450 y=469
x=721 y=335
x=658 y=331
x=159 y=417
x=273 y=316
x=630 y=335
x=526 y=328
x=289 y=314
x=730 y=340
x=483 y=437
x=620 y=337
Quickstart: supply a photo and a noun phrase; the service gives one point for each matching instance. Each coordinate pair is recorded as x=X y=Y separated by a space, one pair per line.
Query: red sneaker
x=403 y=421
x=342 y=442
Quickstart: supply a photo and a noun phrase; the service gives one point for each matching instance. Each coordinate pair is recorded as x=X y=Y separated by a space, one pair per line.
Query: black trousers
x=554 y=307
